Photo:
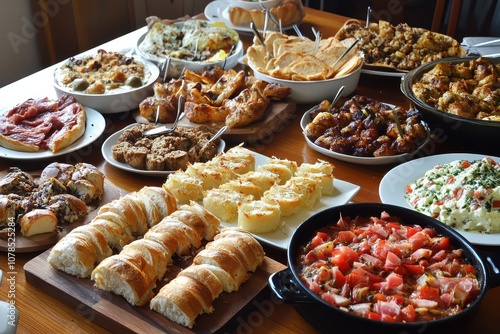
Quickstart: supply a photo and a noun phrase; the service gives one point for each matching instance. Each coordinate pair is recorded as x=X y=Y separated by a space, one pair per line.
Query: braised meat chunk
x=366 y=128
x=168 y=152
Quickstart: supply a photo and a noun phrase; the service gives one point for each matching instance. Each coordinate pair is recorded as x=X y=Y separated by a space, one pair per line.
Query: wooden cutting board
x=277 y=114
x=115 y=314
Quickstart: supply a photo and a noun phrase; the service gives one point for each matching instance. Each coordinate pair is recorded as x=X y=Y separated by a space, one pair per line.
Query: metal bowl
x=455 y=128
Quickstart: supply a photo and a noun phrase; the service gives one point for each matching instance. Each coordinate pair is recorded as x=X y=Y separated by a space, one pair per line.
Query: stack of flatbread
x=298 y=59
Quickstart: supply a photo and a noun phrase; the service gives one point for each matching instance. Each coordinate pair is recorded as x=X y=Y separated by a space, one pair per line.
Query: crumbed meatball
x=136 y=156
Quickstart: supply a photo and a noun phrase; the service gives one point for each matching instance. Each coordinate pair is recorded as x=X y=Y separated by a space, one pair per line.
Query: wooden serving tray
x=278 y=112
x=44 y=241
x=115 y=314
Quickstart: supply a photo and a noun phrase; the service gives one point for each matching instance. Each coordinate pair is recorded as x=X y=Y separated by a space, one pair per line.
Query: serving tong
x=340 y=61
x=261 y=39
x=161 y=130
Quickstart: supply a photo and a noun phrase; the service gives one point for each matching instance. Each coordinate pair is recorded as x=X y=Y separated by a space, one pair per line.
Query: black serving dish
x=288 y=287
x=465 y=131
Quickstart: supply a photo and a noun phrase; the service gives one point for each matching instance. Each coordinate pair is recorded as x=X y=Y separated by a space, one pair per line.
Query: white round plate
x=392 y=188
x=306 y=119
x=94 y=127
x=108 y=155
x=219 y=11
x=280 y=238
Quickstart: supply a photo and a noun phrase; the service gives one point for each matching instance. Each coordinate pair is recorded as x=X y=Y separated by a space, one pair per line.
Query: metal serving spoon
x=167 y=129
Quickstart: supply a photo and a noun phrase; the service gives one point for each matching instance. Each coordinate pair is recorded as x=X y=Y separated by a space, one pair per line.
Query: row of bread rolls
x=288 y=12
x=134 y=272
x=223 y=265
x=116 y=224
x=234 y=190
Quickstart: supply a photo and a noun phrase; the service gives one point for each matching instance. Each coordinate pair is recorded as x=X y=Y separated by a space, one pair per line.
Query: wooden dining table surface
x=40 y=312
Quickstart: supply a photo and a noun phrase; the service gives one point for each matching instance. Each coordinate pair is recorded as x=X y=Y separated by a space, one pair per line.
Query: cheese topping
x=462 y=194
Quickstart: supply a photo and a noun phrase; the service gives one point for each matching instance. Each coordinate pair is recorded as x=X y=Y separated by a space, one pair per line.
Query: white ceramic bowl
x=255 y=4
x=315 y=91
x=113 y=102
x=177 y=65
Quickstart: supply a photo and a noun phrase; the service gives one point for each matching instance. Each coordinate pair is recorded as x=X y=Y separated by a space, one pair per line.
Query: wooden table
x=44 y=313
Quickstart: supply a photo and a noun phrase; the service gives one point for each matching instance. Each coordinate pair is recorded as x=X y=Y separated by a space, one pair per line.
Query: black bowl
x=447 y=126
x=288 y=287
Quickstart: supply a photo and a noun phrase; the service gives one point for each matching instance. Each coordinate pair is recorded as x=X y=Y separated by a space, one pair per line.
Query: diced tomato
x=414 y=269
x=440 y=243
x=339 y=260
x=450 y=179
x=400 y=270
x=495 y=204
x=408 y=313
x=318 y=239
x=418 y=240
x=411 y=230
x=345 y=236
x=465 y=164
x=320 y=255
x=458 y=192
x=408 y=189
x=394 y=281
x=427 y=292
x=310 y=257
x=373 y=316
x=350 y=254
x=398 y=299
x=338 y=277
x=379 y=296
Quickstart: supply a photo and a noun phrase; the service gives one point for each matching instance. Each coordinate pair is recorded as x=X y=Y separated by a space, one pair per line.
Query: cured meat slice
x=42 y=124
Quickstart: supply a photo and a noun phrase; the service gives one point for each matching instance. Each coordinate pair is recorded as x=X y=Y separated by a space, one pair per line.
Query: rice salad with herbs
x=462 y=194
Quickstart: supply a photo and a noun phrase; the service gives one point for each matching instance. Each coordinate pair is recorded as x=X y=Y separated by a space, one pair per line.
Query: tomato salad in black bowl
x=382 y=267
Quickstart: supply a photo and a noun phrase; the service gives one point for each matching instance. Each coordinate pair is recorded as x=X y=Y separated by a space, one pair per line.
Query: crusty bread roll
x=99 y=240
x=204 y=274
x=116 y=234
x=119 y=275
x=289 y=12
x=38 y=221
x=223 y=265
x=225 y=260
x=186 y=236
x=134 y=271
x=211 y=222
x=156 y=255
x=162 y=198
x=177 y=304
x=75 y=254
x=244 y=236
